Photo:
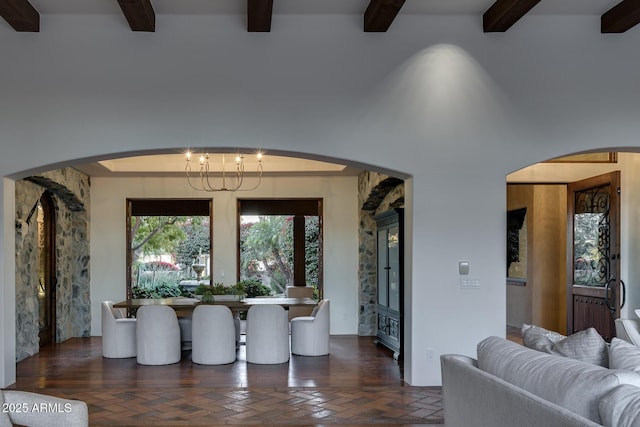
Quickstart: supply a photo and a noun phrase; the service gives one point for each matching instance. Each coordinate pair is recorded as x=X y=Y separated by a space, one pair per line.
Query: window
x=280 y=242
x=165 y=239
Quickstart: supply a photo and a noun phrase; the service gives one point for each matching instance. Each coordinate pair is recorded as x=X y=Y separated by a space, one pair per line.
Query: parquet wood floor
x=358 y=384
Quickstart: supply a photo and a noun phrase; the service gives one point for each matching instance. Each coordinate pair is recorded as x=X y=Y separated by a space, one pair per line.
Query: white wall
x=339 y=194
x=433 y=98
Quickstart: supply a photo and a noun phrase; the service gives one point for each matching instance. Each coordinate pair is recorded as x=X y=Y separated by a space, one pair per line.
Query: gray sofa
x=511 y=385
x=40 y=410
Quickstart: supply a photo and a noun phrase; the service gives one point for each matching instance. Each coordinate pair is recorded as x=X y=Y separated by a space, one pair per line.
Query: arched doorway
x=46 y=269
x=544 y=293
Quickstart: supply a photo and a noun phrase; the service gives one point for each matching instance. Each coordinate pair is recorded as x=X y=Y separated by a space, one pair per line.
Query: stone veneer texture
x=367 y=268
x=69 y=189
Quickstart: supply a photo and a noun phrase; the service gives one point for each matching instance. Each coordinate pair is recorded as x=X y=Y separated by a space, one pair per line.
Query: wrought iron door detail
x=592 y=238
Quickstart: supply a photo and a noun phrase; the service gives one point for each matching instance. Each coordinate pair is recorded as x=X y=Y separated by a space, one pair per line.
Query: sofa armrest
x=41 y=410
x=473 y=397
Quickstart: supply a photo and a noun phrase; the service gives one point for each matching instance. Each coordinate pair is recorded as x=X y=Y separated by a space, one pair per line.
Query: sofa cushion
x=623 y=355
x=573 y=384
x=587 y=345
x=621 y=407
x=539 y=338
x=5 y=421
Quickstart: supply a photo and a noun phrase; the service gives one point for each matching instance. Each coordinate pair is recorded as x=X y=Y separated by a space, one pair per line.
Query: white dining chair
x=628 y=330
x=157 y=335
x=213 y=335
x=267 y=334
x=118 y=333
x=310 y=334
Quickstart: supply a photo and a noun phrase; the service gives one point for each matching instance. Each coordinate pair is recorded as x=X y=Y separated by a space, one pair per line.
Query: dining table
x=182 y=304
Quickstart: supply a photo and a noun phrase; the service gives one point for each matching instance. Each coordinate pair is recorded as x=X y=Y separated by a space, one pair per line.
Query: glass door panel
x=394 y=268
x=382 y=269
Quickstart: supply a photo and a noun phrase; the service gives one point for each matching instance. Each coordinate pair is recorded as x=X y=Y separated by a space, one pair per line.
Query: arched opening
x=546 y=283
x=356 y=190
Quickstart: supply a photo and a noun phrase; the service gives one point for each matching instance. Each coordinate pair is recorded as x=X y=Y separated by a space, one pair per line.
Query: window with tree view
x=169 y=247
x=281 y=243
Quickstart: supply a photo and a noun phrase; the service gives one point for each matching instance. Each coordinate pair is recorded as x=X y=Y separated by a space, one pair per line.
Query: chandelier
x=226 y=180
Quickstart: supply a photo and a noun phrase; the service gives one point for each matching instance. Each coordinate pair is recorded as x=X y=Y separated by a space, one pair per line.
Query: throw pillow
x=623 y=355
x=587 y=345
x=620 y=407
x=538 y=338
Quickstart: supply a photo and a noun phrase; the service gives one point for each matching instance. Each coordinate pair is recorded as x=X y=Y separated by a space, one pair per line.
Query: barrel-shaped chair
x=267 y=334
x=157 y=335
x=310 y=334
x=213 y=335
x=118 y=333
x=628 y=330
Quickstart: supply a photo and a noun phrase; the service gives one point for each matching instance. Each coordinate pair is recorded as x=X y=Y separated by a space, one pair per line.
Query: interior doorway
x=543 y=294
x=46 y=269
x=593 y=263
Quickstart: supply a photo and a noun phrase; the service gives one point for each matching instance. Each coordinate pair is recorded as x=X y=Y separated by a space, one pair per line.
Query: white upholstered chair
x=310 y=334
x=628 y=330
x=61 y=412
x=213 y=335
x=118 y=333
x=158 y=335
x=299 y=292
x=267 y=334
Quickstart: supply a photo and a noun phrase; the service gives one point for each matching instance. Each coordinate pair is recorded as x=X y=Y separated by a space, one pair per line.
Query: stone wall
x=376 y=194
x=69 y=189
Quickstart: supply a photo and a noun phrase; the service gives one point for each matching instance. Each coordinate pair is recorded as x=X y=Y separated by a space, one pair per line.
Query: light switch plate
x=463 y=268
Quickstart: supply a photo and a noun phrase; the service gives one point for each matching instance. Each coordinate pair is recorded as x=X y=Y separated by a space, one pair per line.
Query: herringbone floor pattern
x=263 y=406
x=357 y=384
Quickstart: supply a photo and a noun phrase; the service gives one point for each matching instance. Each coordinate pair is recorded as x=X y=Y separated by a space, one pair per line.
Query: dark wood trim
x=139 y=14
x=259 y=14
x=504 y=13
x=380 y=14
x=516 y=282
x=589 y=291
x=170 y=207
x=299 y=252
x=621 y=17
x=21 y=15
x=279 y=207
x=129 y=255
x=48 y=335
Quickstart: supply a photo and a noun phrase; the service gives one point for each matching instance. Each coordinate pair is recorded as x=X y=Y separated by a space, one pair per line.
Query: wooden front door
x=594 y=288
x=47 y=270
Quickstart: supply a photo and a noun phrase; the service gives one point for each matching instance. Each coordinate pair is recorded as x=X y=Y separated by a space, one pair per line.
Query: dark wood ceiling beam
x=259 y=15
x=380 y=14
x=139 y=14
x=21 y=15
x=504 y=13
x=621 y=17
